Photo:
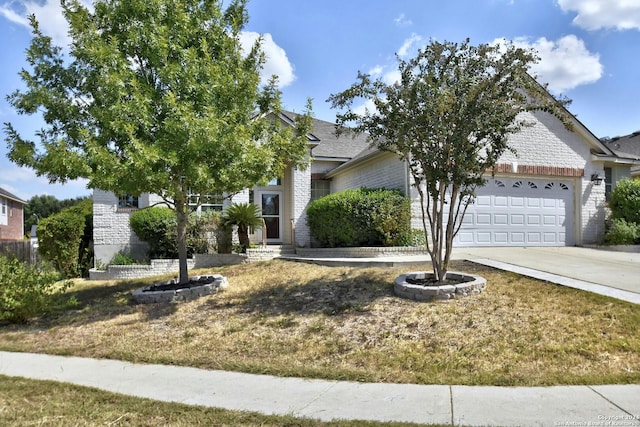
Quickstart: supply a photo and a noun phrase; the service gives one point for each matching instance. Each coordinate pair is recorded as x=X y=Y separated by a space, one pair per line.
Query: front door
x=271 y=206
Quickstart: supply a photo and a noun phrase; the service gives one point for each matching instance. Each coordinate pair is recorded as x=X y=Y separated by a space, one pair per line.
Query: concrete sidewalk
x=605 y=405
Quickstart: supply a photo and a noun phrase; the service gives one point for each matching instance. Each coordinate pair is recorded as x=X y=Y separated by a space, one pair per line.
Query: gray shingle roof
x=329 y=144
x=8 y=195
x=627 y=146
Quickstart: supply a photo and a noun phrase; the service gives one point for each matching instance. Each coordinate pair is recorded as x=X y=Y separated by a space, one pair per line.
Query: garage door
x=520 y=212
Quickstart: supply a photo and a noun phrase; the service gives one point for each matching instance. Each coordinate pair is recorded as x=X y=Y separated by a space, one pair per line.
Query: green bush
x=64 y=239
x=122 y=258
x=622 y=232
x=26 y=291
x=158 y=227
x=59 y=238
x=363 y=217
x=625 y=201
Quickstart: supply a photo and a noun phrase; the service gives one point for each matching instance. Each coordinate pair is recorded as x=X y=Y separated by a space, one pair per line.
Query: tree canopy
x=449 y=117
x=155 y=96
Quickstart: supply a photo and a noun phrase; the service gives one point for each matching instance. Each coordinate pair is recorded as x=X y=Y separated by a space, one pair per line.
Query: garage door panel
x=500 y=219
x=500 y=237
x=517 y=219
x=501 y=201
x=520 y=212
x=534 y=237
x=483 y=219
x=517 y=237
x=533 y=219
x=483 y=201
x=533 y=202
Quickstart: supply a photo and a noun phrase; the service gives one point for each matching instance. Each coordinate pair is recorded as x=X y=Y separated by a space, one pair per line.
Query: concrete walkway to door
x=617 y=272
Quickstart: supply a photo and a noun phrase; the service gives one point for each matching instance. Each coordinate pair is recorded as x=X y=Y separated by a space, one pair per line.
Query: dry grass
x=295 y=319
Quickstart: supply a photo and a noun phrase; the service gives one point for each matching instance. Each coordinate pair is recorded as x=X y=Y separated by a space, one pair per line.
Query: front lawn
x=294 y=319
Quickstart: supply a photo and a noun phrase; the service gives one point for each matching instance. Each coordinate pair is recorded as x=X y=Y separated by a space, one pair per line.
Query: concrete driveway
x=619 y=270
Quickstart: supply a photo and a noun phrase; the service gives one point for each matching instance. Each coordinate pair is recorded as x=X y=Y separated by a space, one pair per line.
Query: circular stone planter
x=461 y=285
x=197 y=287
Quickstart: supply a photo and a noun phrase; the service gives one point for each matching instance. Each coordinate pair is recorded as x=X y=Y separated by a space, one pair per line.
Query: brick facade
x=12 y=221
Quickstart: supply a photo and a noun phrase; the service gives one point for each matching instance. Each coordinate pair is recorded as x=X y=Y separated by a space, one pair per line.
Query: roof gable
x=4 y=193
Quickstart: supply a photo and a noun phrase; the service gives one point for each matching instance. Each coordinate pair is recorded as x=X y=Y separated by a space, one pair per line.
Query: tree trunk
x=243 y=237
x=182 y=216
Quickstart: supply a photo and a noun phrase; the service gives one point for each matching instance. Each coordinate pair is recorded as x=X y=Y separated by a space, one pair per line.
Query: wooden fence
x=20 y=249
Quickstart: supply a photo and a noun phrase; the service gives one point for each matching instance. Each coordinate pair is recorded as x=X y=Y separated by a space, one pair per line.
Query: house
x=11 y=216
x=626 y=146
x=548 y=193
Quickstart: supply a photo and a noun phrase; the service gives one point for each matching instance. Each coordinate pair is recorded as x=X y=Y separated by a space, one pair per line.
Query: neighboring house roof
x=331 y=146
x=4 y=193
x=625 y=146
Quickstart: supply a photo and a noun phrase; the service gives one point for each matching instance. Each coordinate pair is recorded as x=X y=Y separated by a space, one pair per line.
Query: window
x=608 y=183
x=127 y=201
x=275 y=182
x=320 y=188
x=3 y=212
x=208 y=202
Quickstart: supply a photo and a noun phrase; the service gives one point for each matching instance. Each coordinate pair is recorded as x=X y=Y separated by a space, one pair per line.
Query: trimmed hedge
x=363 y=217
x=157 y=227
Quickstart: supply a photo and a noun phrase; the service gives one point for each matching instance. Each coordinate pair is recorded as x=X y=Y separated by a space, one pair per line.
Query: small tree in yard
x=155 y=97
x=449 y=117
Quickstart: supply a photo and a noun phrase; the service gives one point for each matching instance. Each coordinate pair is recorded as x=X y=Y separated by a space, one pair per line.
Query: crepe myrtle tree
x=155 y=96
x=449 y=118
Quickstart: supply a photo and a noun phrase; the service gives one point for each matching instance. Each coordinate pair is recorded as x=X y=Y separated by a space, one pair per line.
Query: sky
x=589 y=52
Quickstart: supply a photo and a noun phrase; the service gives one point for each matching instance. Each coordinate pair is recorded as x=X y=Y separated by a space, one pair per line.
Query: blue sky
x=589 y=49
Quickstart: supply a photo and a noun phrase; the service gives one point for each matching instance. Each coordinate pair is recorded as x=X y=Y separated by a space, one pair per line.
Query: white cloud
x=276 y=58
x=565 y=63
x=597 y=14
x=53 y=24
x=408 y=44
x=403 y=21
x=367 y=107
x=48 y=14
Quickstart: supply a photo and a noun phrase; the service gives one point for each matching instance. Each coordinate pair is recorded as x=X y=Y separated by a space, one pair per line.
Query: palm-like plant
x=245 y=216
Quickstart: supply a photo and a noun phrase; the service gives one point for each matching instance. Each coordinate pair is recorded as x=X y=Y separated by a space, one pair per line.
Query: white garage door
x=519 y=212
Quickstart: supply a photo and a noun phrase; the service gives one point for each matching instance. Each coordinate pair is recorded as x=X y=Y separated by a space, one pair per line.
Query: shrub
x=85 y=252
x=625 y=201
x=157 y=227
x=64 y=239
x=418 y=238
x=26 y=291
x=364 y=217
x=59 y=241
x=622 y=233
x=122 y=258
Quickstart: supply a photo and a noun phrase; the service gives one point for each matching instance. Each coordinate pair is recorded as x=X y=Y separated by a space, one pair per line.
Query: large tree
x=155 y=96
x=449 y=118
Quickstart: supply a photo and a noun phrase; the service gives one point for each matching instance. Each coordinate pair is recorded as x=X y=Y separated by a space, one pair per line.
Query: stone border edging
x=471 y=285
x=211 y=285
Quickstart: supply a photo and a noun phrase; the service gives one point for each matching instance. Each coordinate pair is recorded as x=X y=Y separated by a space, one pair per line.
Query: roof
x=625 y=146
x=4 y=193
x=345 y=146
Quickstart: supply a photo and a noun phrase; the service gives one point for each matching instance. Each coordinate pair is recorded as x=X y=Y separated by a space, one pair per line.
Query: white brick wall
x=111 y=230
x=301 y=186
x=385 y=170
